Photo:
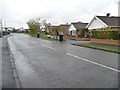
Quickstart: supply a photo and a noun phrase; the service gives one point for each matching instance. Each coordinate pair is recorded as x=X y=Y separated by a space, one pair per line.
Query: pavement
x=0 y=63
x=53 y=64
x=8 y=80
x=76 y=41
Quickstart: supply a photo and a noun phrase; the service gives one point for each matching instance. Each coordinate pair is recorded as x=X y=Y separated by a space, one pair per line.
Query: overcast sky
x=17 y=12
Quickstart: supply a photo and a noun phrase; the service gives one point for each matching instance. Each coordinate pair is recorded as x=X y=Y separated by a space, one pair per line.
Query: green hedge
x=106 y=34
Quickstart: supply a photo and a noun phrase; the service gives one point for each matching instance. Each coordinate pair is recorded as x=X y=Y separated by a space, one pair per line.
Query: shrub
x=106 y=34
x=82 y=33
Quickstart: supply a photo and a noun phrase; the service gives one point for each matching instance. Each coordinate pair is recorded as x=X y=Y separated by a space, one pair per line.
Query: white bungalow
x=99 y=22
x=21 y=29
x=76 y=27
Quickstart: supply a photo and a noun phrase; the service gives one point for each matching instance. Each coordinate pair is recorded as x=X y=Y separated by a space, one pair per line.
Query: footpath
x=8 y=80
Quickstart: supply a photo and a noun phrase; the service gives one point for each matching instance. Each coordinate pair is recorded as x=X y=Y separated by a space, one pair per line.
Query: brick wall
x=106 y=41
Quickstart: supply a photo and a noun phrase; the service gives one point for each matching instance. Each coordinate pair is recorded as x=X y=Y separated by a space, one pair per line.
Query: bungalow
x=103 y=22
x=76 y=27
x=27 y=30
x=10 y=29
x=21 y=29
x=64 y=30
x=52 y=30
x=99 y=22
x=43 y=30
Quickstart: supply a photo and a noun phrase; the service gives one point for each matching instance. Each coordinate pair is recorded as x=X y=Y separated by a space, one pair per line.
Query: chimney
x=66 y=23
x=108 y=14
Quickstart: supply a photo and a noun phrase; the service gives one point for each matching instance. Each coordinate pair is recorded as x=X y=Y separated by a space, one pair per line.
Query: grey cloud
x=18 y=13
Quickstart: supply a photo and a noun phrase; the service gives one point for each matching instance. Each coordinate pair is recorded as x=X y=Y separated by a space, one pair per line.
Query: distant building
x=62 y=29
x=76 y=27
x=21 y=29
x=9 y=29
x=27 y=30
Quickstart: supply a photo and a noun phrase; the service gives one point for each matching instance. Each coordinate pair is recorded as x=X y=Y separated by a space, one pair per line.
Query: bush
x=5 y=33
x=106 y=34
x=82 y=32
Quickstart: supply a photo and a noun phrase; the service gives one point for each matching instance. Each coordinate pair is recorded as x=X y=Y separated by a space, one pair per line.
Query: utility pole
x=5 y=26
x=1 y=25
x=5 y=23
x=1 y=28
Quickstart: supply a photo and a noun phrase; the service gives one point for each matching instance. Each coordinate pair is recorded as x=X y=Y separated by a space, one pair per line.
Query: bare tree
x=34 y=26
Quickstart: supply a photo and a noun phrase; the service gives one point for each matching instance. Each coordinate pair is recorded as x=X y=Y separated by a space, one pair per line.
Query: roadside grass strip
x=99 y=47
x=47 y=38
x=44 y=37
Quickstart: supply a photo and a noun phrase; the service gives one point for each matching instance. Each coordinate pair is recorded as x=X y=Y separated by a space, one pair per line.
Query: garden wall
x=106 y=41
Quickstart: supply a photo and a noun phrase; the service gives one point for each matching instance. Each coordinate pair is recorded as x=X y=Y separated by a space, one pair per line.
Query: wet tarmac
x=47 y=64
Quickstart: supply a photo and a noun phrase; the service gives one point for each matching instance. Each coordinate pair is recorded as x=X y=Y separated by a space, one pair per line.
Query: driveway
x=53 y=64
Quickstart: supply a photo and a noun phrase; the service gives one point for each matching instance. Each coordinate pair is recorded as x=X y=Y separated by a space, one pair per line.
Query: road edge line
x=95 y=63
x=48 y=47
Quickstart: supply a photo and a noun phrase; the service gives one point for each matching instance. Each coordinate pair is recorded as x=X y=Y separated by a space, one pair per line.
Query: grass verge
x=99 y=47
x=47 y=38
x=44 y=37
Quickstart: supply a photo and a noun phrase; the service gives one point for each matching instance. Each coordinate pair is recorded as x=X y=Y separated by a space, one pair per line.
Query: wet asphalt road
x=53 y=64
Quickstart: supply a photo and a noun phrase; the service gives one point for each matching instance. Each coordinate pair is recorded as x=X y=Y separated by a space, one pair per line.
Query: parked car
x=5 y=33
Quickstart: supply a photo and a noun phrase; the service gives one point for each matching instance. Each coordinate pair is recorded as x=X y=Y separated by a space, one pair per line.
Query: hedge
x=106 y=34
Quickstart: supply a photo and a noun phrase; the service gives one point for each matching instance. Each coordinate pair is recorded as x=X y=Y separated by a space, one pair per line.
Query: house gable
x=21 y=29
x=96 y=23
x=9 y=29
x=72 y=28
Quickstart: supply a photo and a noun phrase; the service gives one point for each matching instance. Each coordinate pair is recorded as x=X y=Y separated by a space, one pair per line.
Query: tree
x=34 y=26
x=83 y=32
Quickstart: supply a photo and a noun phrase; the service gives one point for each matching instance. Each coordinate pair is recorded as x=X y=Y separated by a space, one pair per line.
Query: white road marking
x=93 y=62
x=43 y=45
x=33 y=42
x=27 y=48
x=48 y=47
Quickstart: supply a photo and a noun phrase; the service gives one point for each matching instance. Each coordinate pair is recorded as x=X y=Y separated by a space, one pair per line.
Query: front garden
x=105 y=39
x=106 y=36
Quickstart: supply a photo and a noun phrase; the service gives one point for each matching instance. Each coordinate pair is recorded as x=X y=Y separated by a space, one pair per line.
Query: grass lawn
x=47 y=38
x=44 y=37
x=99 y=47
x=33 y=35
